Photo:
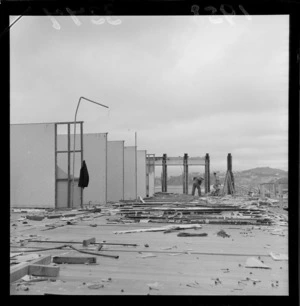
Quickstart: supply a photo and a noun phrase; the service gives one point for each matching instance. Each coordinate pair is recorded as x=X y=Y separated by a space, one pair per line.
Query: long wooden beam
x=178 y=161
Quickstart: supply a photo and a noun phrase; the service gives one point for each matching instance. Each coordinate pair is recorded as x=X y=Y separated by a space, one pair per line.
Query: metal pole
x=135 y=166
x=72 y=202
x=73 y=170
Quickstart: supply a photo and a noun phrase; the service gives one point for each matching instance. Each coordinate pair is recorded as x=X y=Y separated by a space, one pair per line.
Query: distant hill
x=264 y=171
x=248 y=178
x=256 y=176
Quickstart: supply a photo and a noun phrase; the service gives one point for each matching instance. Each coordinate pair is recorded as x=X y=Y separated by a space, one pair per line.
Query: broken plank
x=20 y=270
x=43 y=260
x=253 y=262
x=42 y=270
x=35 y=218
x=192 y=235
x=158 y=229
x=277 y=256
x=54 y=216
x=88 y=241
x=78 y=242
x=73 y=259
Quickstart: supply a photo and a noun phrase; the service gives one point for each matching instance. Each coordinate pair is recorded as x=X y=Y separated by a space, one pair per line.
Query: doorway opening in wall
x=175 y=179
x=67 y=192
x=158 y=179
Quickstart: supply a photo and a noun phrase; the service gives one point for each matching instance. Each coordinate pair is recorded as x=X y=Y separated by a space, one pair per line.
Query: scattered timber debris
x=217 y=281
x=253 y=262
x=223 y=234
x=154 y=286
x=194 y=284
x=35 y=217
x=160 y=229
x=73 y=260
x=147 y=255
x=225 y=210
x=95 y=286
x=277 y=256
x=192 y=235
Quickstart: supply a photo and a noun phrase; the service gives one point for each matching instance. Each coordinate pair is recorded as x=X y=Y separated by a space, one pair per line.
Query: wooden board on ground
x=43 y=270
x=20 y=270
x=74 y=259
x=86 y=242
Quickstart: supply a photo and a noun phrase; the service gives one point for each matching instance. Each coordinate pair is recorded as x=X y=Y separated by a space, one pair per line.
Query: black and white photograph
x=149 y=153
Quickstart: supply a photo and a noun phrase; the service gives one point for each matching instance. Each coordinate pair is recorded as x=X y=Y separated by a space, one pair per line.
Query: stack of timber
x=188 y=210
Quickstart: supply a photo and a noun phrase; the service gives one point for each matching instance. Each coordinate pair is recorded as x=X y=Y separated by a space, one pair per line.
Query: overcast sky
x=184 y=84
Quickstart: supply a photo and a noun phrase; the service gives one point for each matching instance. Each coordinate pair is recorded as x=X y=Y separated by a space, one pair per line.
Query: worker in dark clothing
x=196 y=185
x=216 y=186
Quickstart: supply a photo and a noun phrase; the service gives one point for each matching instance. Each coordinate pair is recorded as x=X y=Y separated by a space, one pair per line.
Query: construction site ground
x=160 y=264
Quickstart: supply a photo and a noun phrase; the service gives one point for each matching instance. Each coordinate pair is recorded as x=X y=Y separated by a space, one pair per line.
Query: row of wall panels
x=115 y=171
x=111 y=166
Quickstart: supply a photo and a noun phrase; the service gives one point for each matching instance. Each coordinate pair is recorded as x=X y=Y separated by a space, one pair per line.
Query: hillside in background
x=248 y=178
x=256 y=176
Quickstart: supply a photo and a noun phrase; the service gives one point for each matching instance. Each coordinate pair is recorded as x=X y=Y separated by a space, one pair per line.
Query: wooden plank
x=44 y=260
x=18 y=271
x=35 y=218
x=54 y=216
x=88 y=241
x=21 y=269
x=74 y=259
x=43 y=270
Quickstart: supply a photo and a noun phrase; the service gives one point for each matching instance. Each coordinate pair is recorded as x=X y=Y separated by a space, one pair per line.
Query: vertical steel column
x=55 y=157
x=207 y=173
x=147 y=174
x=229 y=170
x=162 y=180
x=183 y=177
x=164 y=173
x=185 y=173
x=81 y=155
x=69 y=172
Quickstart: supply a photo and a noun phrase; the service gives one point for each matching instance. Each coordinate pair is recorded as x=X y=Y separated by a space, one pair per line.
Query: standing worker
x=216 y=185
x=196 y=184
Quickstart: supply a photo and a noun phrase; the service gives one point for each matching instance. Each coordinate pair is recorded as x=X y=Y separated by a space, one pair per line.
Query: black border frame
x=182 y=7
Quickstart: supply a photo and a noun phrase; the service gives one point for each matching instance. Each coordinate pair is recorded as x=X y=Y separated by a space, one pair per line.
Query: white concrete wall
x=151 y=175
x=115 y=171
x=32 y=165
x=141 y=173
x=95 y=156
x=130 y=173
x=151 y=184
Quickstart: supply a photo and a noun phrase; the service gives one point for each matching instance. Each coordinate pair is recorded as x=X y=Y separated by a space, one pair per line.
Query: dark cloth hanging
x=84 y=176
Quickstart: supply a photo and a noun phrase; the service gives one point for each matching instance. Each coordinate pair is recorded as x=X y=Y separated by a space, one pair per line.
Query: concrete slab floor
x=181 y=266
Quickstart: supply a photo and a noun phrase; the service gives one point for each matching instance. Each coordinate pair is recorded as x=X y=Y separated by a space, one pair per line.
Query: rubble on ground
x=240 y=210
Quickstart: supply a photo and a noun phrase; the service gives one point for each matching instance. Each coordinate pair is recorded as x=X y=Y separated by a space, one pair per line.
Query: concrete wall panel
x=130 y=173
x=141 y=173
x=32 y=165
x=115 y=171
x=94 y=154
x=150 y=190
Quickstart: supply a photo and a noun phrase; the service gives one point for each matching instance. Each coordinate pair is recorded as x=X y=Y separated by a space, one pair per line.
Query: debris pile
x=225 y=210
